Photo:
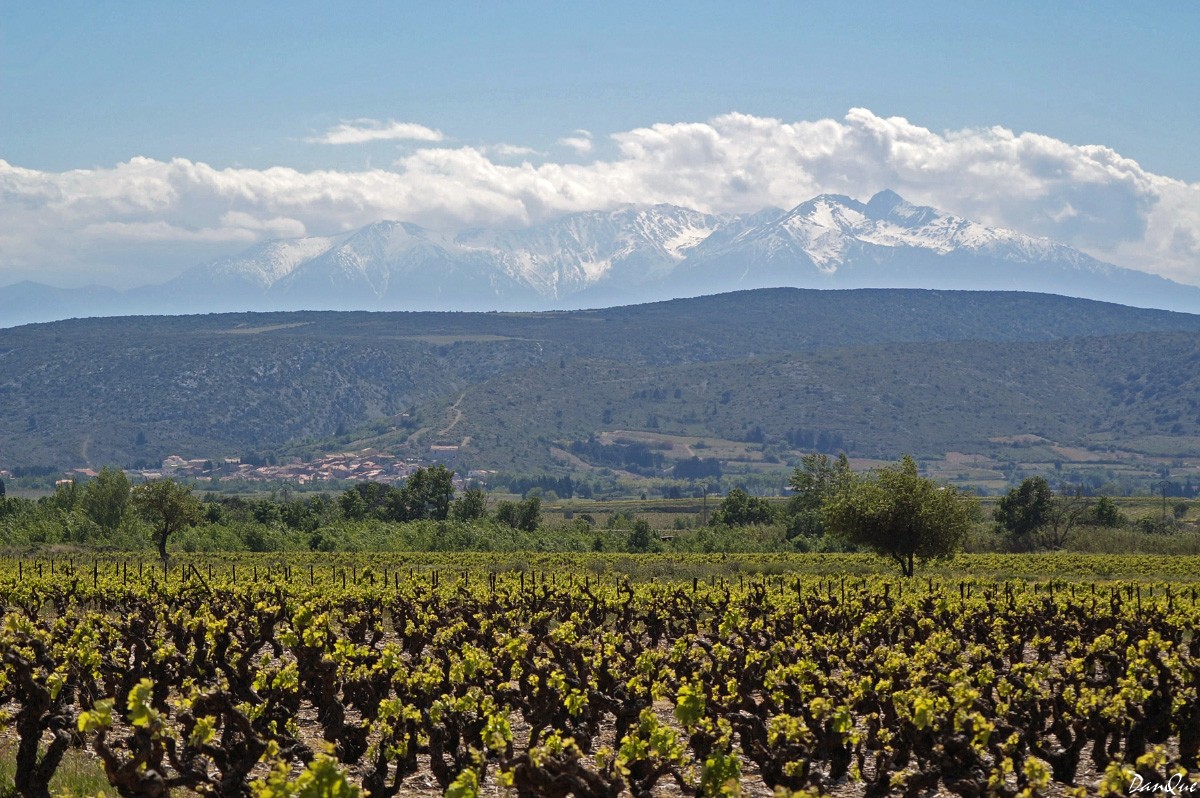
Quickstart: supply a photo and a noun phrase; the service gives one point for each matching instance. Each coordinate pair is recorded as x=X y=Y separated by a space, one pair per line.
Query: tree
x=813 y=483
x=364 y=500
x=1035 y=517
x=1105 y=513
x=106 y=498
x=529 y=516
x=697 y=468
x=426 y=494
x=67 y=494
x=899 y=514
x=1069 y=508
x=524 y=515
x=2 y=489
x=168 y=506
x=470 y=506
x=642 y=537
x=506 y=513
x=1026 y=508
x=739 y=508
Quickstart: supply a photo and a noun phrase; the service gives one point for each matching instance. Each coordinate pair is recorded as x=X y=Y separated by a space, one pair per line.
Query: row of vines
x=581 y=685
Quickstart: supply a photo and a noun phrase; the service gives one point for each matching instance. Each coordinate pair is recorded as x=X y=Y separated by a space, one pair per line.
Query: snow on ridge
x=828 y=229
x=266 y=264
x=829 y=212
x=631 y=245
x=579 y=250
x=684 y=239
x=831 y=222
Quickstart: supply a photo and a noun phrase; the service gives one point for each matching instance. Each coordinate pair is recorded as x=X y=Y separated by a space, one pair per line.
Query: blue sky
x=92 y=84
x=239 y=88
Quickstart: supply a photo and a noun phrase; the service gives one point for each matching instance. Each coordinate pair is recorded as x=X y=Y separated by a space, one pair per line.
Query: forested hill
x=123 y=390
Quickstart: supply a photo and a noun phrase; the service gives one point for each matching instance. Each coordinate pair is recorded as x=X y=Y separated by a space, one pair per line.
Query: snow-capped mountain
x=261 y=266
x=385 y=265
x=403 y=265
x=632 y=244
x=396 y=265
x=625 y=255
x=826 y=229
x=833 y=241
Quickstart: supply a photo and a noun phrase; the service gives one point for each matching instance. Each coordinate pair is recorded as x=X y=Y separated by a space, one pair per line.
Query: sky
x=140 y=138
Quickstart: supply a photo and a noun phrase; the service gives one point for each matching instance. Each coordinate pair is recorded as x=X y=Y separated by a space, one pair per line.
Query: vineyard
x=602 y=676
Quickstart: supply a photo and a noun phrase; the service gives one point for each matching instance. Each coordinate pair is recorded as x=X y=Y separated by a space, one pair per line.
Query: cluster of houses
x=369 y=466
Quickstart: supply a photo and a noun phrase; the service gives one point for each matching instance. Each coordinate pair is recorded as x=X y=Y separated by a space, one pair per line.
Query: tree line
x=109 y=509
x=907 y=518
x=893 y=511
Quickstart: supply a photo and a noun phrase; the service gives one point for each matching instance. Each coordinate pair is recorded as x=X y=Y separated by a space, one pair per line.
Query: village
x=364 y=466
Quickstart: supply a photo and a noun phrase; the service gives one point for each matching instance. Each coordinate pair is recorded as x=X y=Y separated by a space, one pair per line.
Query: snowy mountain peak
x=645 y=252
x=262 y=265
x=827 y=228
x=827 y=210
x=888 y=205
x=886 y=201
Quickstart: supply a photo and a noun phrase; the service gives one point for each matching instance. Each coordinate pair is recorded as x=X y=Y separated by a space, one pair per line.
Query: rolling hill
x=780 y=371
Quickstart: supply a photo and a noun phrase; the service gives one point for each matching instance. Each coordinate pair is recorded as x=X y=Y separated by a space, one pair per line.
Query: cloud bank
x=145 y=220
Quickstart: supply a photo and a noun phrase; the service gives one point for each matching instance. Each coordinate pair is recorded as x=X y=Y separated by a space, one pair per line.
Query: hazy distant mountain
x=28 y=302
x=627 y=255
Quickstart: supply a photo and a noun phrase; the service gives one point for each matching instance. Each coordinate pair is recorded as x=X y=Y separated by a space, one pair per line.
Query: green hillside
x=764 y=374
x=1139 y=393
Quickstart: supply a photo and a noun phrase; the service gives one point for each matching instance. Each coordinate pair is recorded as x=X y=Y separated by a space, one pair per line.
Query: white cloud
x=581 y=142
x=63 y=227
x=361 y=131
x=276 y=227
x=160 y=231
x=510 y=150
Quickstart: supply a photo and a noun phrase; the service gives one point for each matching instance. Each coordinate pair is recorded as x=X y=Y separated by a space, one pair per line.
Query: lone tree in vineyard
x=900 y=515
x=168 y=506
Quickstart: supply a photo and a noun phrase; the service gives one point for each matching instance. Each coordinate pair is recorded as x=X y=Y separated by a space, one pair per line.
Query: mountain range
x=623 y=256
